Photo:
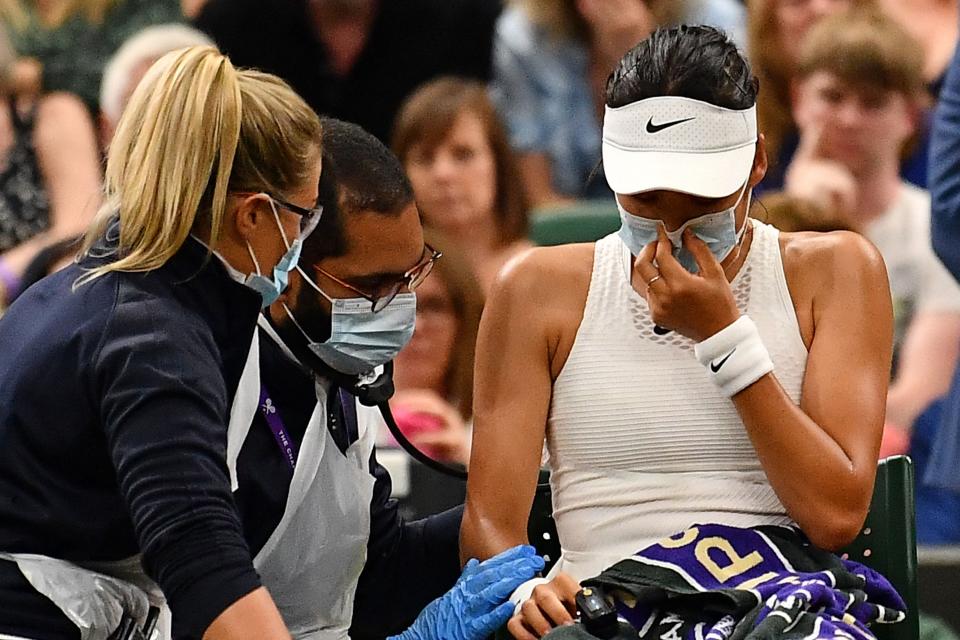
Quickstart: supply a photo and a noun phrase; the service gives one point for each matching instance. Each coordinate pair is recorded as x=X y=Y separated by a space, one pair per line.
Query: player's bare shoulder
x=546 y=276
x=836 y=260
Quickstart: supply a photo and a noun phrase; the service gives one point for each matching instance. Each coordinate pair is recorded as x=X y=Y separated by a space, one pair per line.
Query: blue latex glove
x=477 y=605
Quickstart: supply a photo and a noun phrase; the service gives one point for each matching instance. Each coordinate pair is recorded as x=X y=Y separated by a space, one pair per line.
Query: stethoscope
x=377 y=394
x=372 y=391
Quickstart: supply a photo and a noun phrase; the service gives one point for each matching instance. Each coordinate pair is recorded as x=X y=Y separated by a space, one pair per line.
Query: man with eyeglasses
x=314 y=503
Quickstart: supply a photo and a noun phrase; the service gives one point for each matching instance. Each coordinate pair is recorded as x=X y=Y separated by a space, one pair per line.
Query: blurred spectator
x=120 y=77
x=66 y=43
x=434 y=373
x=857 y=103
x=49 y=175
x=128 y=65
x=192 y=8
x=454 y=148
x=934 y=24
x=551 y=60
x=729 y=15
x=776 y=30
x=355 y=59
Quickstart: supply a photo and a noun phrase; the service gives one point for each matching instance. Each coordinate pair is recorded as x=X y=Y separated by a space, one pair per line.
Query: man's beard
x=310 y=314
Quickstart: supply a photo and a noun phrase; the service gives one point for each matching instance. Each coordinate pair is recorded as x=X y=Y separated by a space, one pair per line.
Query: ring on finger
x=653 y=279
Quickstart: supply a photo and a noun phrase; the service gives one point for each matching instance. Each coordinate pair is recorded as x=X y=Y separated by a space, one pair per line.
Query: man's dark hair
x=697 y=62
x=359 y=174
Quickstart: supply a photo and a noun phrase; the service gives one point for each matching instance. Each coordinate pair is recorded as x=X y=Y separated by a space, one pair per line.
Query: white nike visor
x=678 y=144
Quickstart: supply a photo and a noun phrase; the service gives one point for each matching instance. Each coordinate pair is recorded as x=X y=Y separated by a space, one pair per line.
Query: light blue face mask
x=361 y=340
x=717 y=230
x=271 y=288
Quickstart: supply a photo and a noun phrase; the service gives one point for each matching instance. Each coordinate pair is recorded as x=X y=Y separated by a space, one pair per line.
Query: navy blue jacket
x=944 y=171
x=945 y=235
x=114 y=401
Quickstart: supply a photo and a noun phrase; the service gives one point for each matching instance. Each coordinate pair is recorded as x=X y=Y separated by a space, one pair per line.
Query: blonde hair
x=17 y=13
x=195 y=130
x=145 y=46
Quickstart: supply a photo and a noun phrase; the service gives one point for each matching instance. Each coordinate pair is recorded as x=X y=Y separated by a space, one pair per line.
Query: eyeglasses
x=309 y=218
x=411 y=280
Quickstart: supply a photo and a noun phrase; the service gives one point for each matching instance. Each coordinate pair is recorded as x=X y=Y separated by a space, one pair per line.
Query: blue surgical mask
x=717 y=230
x=361 y=340
x=271 y=288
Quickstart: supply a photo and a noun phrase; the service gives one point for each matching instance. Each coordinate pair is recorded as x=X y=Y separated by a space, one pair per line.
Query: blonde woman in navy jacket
x=117 y=374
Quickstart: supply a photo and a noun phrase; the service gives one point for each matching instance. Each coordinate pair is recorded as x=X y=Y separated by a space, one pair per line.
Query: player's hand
x=695 y=305
x=550 y=605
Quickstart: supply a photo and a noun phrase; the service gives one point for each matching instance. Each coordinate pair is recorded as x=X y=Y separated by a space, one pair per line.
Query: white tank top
x=641 y=443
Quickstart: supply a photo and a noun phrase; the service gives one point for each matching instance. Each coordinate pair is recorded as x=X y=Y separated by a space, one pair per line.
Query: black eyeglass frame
x=309 y=218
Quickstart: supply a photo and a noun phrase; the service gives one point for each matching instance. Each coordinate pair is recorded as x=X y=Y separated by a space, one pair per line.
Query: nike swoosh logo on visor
x=715 y=366
x=657 y=128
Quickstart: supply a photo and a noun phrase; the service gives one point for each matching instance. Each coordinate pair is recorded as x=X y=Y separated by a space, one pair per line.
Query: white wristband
x=735 y=356
x=524 y=591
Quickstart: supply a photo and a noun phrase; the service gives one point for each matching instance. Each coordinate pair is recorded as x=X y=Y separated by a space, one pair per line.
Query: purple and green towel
x=714 y=582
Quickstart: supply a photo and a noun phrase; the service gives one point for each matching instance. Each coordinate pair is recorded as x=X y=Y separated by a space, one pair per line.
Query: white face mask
x=717 y=230
x=270 y=287
x=361 y=340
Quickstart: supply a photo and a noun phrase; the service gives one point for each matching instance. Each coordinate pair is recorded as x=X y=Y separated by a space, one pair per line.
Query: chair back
x=888 y=541
x=582 y=221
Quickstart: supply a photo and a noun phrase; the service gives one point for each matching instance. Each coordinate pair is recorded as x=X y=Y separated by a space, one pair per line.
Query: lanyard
x=287 y=446
x=342 y=419
x=348 y=412
x=342 y=416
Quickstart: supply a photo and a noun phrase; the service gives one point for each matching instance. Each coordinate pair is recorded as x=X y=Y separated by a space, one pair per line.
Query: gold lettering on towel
x=686 y=538
x=737 y=565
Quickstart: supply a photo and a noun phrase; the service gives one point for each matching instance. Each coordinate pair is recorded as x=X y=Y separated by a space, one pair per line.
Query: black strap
x=342 y=418
x=415 y=453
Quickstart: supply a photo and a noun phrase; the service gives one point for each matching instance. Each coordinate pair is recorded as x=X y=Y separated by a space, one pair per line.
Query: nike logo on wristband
x=715 y=366
x=657 y=128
